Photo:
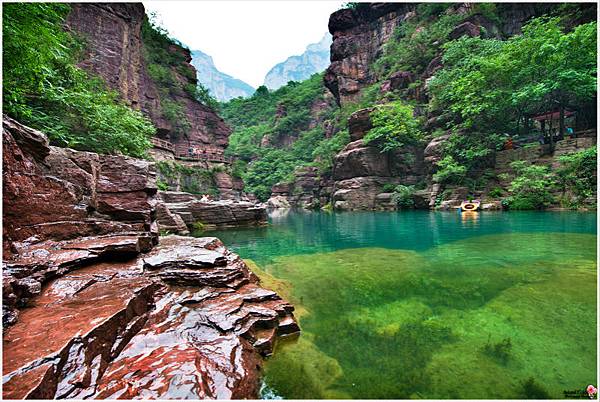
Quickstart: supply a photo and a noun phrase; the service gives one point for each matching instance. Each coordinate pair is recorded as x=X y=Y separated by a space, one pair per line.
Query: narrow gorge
x=307 y=240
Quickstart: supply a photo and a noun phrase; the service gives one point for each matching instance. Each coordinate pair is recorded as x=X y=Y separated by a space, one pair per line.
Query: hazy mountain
x=222 y=86
x=297 y=68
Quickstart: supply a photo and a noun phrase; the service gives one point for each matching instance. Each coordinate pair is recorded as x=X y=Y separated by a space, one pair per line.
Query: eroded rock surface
x=63 y=209
x=186 y=320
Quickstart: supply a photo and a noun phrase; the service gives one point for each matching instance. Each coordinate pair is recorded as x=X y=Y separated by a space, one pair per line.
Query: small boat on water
x=469 y=206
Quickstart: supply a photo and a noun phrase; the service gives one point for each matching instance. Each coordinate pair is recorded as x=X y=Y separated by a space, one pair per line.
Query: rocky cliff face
x=110 y=314
x=298 y=68
x=58 y=193
x=114 y=51
x=222 y=86
x=358 y=36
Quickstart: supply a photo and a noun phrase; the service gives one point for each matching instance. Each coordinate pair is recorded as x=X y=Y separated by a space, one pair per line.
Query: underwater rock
x=118 y=330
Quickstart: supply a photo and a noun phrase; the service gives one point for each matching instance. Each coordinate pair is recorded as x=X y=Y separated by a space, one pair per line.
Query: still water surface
x=429 y=304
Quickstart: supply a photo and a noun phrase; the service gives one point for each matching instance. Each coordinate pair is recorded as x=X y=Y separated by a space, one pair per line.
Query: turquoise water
x=430 y=304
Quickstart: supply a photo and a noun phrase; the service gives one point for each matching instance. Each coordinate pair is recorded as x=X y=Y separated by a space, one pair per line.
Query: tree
x=394 y=126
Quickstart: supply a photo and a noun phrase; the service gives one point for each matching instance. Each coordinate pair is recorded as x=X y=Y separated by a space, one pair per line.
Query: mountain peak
x=298 y=68
x=222 y=86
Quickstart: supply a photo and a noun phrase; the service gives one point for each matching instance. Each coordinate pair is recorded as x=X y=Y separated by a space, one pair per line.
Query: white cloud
x=245 y=38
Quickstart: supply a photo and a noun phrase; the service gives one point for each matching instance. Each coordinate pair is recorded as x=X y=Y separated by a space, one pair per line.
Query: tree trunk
x=562 y=122
x=551 y=135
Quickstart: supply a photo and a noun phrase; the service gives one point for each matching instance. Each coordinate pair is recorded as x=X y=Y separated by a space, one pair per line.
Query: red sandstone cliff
x=114 y=51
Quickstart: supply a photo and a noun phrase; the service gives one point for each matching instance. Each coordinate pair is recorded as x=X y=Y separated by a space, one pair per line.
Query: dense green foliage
x=578 y=175
x=403 y=196
x=43 y=87
x=531 y=188
x=492 y=86
x=487 y=81
x=394 y=126
x=272 y=134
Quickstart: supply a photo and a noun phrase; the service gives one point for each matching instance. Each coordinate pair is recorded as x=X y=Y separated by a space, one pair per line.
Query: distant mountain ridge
x=298 y=68
x=222 y=86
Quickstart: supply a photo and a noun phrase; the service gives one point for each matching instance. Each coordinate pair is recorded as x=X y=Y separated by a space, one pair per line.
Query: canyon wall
x=114 y=50
x=358 y=36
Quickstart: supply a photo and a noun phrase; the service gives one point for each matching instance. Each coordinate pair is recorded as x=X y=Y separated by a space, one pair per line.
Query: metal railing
x=207 y=157
x=158 y=143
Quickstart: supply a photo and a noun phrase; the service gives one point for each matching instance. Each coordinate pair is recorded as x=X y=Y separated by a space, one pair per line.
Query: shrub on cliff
x=578 y=175
x=43 y=87
x=531 y=187
x=492 y=84
x=394 y=126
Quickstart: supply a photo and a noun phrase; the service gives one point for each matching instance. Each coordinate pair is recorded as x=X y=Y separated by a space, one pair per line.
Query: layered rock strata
x=361 y=171
x=92 y=308
x=358 y=37
x=308 y=190
x=191 y=209
x=187 y=320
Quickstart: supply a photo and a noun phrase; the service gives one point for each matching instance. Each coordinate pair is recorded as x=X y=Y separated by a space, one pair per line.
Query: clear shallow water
x=430 y=305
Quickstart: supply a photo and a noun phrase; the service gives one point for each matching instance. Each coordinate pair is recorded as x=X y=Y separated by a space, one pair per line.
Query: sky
x=245 y=38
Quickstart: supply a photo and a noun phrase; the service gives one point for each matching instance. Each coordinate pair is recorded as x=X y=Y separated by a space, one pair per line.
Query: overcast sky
x=245 y=38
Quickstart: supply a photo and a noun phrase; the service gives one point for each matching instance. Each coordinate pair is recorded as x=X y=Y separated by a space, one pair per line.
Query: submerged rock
x=186 y=320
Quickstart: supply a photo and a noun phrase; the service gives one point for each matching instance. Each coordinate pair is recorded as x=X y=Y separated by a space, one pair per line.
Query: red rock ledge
x=187 y=320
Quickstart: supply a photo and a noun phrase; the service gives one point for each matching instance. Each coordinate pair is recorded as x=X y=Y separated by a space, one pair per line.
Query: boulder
x=222 y=213
x=278 y=201
x=359 y=160
x=492 y=206
x=401 y=80
x=465 y=29
x=359 y=193
x=170 y=222
x=359 y=123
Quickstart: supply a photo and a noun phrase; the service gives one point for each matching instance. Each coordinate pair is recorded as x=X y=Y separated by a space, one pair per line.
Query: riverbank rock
x=59 y=193
x=185 y=320
x=361 y=172
x=216 y=214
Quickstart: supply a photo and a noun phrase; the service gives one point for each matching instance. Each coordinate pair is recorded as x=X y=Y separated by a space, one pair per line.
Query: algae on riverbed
x=402 y=324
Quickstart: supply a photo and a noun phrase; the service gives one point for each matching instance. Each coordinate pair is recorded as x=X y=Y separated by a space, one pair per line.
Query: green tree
x=531 y=187
x=394 y=126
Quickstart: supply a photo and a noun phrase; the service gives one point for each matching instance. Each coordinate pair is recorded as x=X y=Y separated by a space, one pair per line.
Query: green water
x=430 y=305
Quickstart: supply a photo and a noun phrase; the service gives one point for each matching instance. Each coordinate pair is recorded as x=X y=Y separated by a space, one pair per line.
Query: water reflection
x=293 y=232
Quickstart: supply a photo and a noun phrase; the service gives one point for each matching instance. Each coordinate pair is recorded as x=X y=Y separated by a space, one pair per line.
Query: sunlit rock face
x=299 y=68
x=186 y=320
x=190 y=209
x=114 y=51
x=222 y=86
x=358 y=37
